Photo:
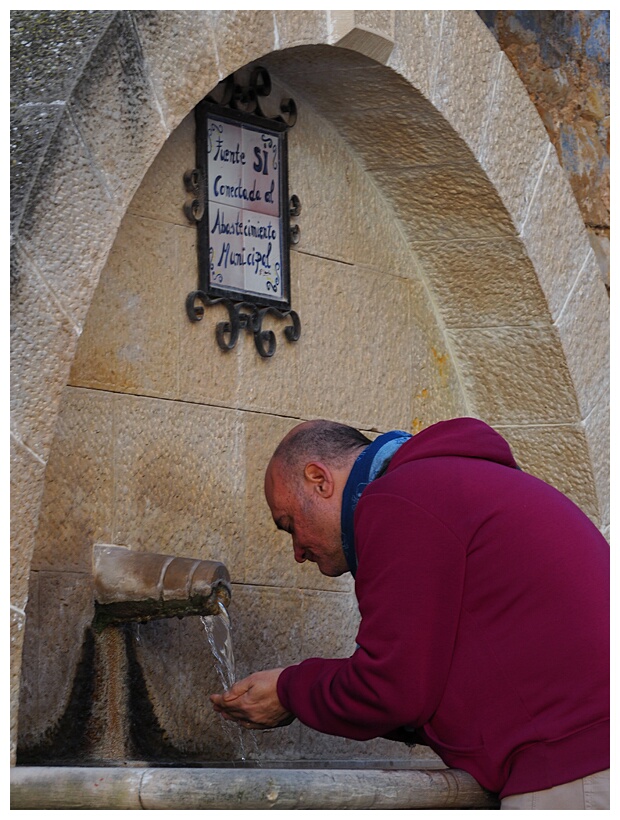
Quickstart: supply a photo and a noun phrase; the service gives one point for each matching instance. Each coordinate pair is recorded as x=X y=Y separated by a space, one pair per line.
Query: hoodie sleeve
x=409 y=587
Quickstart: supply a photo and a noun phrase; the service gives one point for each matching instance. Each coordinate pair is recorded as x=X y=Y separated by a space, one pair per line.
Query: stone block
x=207 y=374
x=416 y=51
x=554 y=213
x=514 y=143
x=137 y=351
x=41 y=353
x=466 y=72
x=70 y=221
x=295 y=28
x=32 y=127
x=486 y=283
x=179 y=480
x=515 y=375
x=597 y=433
x=317 y=153
x=377 y=239
x=445 y=202
x=583 y=327
x=49 y=50
x=357 y=314
x=77 y=505
x=330 y=623
x=267 y=634
x=393 y=126
x=381 y=22
x=58 y=616
x=272 y=385
x=116 y=81
x=436 y=389
x=27 y=473
x=162 y=192
x=17 y=639
x=180 y=56
x=557 y=454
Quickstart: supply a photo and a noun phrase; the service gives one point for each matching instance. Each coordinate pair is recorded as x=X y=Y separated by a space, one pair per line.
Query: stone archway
x=139 y=85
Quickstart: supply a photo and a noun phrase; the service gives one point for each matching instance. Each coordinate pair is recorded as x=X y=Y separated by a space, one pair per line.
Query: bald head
x=304 y=484
x=320 y=440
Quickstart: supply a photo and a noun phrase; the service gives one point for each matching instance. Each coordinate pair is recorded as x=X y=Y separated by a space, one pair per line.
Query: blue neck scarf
x=372 y=462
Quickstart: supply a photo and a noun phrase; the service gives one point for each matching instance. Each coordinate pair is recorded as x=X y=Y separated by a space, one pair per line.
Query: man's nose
x=298 y=550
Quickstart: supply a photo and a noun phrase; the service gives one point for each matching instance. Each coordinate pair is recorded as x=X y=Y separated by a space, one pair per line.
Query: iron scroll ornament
x=243 y=101
x=227 y=333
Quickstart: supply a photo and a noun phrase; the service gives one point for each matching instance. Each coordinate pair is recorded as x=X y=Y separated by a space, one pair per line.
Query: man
x=483 y=595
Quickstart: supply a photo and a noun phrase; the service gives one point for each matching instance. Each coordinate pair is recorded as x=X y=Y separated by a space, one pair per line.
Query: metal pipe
x=142 y=586
x=246 y=789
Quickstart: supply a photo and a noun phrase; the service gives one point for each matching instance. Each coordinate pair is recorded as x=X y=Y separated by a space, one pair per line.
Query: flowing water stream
x=219 y=635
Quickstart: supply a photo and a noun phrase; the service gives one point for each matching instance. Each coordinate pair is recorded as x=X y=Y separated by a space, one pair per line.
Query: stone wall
x=443 y=269
x=562 y=57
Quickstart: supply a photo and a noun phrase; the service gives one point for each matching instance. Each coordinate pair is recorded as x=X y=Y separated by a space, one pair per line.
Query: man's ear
x=321 y=478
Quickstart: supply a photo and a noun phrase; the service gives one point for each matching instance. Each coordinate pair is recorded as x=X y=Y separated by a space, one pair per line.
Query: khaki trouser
x=591 y=792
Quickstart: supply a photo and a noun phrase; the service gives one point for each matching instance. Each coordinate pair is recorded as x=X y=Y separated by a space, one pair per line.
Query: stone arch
x=136 y=88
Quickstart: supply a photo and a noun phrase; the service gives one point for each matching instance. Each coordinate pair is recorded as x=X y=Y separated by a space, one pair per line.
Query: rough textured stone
x=18 y=620
x=267 y=634
x=554 y=213
x=162 y=193
x=583 y=327
x=380 y=21
x=76 y=510
x=32 y=127
x=70 y=221
x=313 y=155
x=138 y=351
x=49 y=50
x=562 y=57
x=57 y=617
x=436 y=390
x=465 y=76
x=558 y=454
x=486 y=283
x=116 y=82
x=273 y=385
x=514 y=143
x=295 y=28
x=515 y=375
x=334 y=305
x=26 y=487
x=179 y=480
x=597 y=433
x=180 y=673
x=206 y=373
x=445 y=202
x=181 y=57
x=416 y=52
x=41 y=352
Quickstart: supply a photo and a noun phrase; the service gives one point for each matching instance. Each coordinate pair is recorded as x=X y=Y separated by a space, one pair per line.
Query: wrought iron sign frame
x=247 y=104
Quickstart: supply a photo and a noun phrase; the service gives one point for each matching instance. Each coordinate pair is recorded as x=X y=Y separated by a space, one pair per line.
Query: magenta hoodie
x=484 y=601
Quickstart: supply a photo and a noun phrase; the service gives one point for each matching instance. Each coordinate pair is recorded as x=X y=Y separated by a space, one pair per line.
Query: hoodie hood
x=465 y=437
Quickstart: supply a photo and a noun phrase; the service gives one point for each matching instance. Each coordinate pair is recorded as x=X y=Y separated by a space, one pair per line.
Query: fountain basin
x=272 y=786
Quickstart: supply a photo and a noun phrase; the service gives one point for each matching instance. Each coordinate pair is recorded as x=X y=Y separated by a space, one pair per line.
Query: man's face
x=312 y=521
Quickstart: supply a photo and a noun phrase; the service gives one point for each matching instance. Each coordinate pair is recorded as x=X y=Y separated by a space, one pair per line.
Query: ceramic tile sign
x=245 y=193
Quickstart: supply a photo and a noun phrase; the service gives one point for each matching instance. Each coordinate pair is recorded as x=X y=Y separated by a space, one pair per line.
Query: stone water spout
x=141 y=586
